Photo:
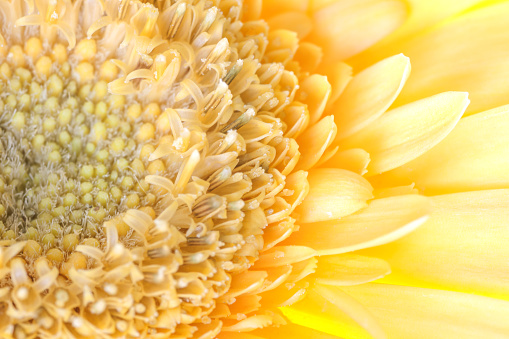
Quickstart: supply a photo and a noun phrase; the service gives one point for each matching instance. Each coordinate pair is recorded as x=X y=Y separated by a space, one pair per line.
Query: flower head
x=173 y=169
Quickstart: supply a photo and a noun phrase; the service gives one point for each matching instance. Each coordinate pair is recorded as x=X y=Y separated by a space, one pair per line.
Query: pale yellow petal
x=339 y=76
x=252 y=9
x=238 y=335
x=350 y=269
x=422 y=15
x=273 y=7
x=420 y=313
x=467 y=54
x=309 y=56
x=355 y=160
x=383 y=221
x=407 y=132
x=463 y=246
x=314 y=91
x=396 y=190
x=314 y=142
x=474 y=156
x=327 y=309
x=369 y=94
x=293 y=331
x=334 y=193
x=294 y=21
x=347 y=27
x=284 y=255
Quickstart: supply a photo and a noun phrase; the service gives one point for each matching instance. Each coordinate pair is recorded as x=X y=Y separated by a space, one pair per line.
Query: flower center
x=72 y=154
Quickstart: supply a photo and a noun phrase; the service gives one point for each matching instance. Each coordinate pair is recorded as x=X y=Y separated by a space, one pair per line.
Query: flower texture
x=203 y=169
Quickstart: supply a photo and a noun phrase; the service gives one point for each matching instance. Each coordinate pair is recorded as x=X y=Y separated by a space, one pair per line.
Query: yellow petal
x=355 y=160
x=294 y=21
x=252 y=9
x=383 y=221
x=479 y=37
x=249 y=324
x=422 y=14
x=334 y=193
x=420 y=313
x=284 y=255
x=339 y=75
x=298 y=184
x=406 y=132
x=309 y=56
x=314 y=142
x=327 y=155
x=272 y=7
x=327 y=309
x=463 y=246
x=293 y=331
x=393 y=191
x=347 y=27
x=245 y=282
x=238 y=335
x=314 y=92
x=350 y=269
x=370 y=93
x=474 y=156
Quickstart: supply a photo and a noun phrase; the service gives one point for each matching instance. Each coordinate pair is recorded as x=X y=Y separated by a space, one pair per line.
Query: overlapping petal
x=404 y=133
x=474 y=156
x=462 y=247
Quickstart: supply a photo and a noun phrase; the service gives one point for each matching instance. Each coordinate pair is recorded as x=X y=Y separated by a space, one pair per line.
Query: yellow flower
x=185 y=169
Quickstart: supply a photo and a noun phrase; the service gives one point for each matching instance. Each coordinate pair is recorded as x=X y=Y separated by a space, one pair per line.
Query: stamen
x=216 y=98
x=207 y=206
x=233 y=72
x=176 y=20
x=243 y=119
x=160 y=252
x=22 y=293
x=61 y=297
x=140 y=308
x=121 y=325
x=111 y=289
x=98 y=307
x=122 y=8
x=209 y=19
x=221 y=49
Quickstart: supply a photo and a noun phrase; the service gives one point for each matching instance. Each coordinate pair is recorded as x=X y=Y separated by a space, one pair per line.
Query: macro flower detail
x=203 y=169
x=138 y=176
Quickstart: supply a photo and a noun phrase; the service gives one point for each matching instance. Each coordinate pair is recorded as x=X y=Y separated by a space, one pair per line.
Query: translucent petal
x=404 y=133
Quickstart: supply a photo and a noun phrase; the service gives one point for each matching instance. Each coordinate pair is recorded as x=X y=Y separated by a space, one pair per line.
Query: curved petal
x=370 y=93
x=347 y=27
x=463 y=246
x=383 y=221
x=334 y=193
x=293 y=331
x=328 y=309
x=404 y=133
x=474 y=156
x=314 y=91
x=314 y=142
x=482 y=70
x=284 y=255
x=294 y=21
x=354 y=159
x=272 y=7
x=350 y=269
x=421 y=313
x=422 y=15
x=339 y=76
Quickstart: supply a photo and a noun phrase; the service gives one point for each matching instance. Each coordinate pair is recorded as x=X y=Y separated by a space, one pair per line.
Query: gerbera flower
x=186 y=169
